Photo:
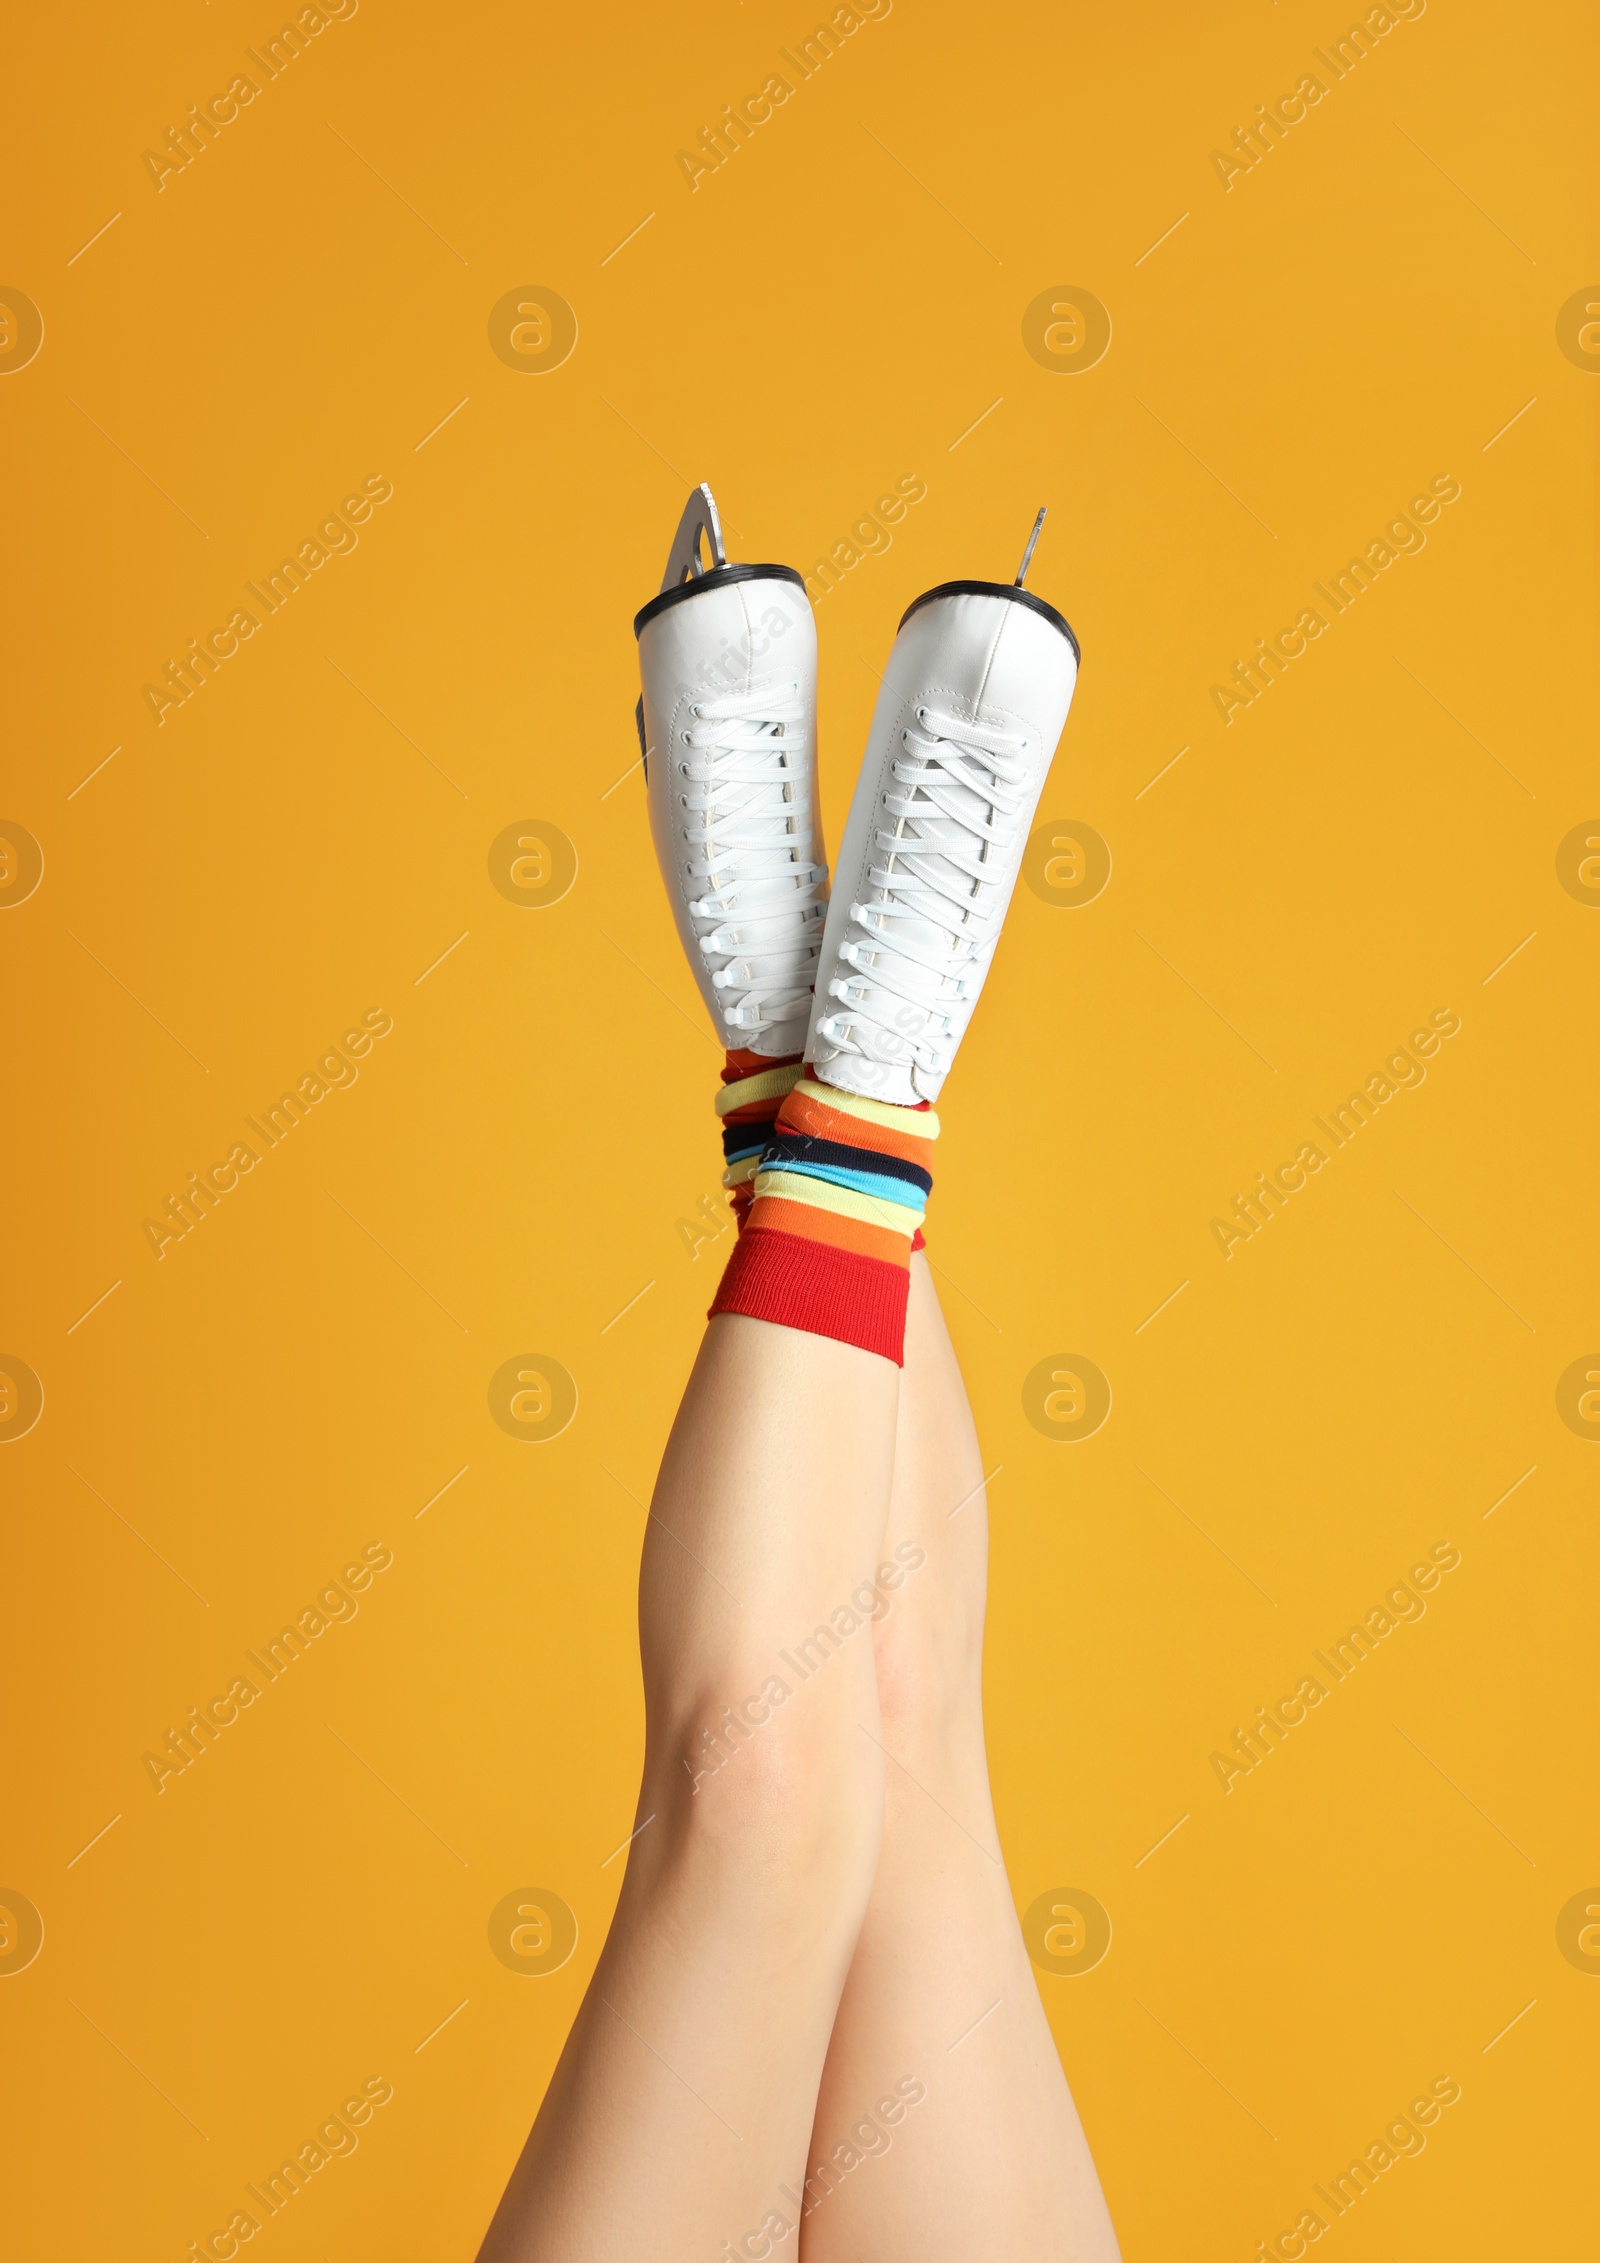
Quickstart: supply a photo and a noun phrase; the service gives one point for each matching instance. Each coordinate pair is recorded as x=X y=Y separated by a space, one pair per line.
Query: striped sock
x=837 y=1202
x=753 y=1089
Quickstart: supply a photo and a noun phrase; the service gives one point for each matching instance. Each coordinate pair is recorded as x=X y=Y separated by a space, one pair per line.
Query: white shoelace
x=742 y=794
x=923 y=950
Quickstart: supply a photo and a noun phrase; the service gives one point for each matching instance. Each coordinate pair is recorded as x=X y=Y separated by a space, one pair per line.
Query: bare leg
x=683 y=2102
x=941 y=1997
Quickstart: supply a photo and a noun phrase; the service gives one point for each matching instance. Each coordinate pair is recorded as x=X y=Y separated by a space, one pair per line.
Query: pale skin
x=817 y=1925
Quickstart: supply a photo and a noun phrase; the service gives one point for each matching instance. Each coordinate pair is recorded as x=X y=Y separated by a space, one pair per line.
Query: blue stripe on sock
x=861 y=1182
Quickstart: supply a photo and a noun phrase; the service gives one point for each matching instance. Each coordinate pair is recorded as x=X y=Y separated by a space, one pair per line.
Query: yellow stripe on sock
x=738 y=1173
x=844 y=1202
x=916 y=1123
x=766 y=1084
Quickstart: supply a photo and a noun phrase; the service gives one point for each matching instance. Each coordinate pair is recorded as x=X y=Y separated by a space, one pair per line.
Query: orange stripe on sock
x=778 y=1215
x=801 y=1114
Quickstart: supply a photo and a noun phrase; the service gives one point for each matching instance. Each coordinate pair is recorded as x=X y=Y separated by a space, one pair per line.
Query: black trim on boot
x=718 y=577
x=1004 y=589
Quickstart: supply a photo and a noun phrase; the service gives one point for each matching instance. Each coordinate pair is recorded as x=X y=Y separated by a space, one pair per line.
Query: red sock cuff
x=825 y=1291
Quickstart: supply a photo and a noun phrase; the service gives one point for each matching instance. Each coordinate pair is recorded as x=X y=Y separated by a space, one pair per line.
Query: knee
x=791 y=1800
x=930 y=1685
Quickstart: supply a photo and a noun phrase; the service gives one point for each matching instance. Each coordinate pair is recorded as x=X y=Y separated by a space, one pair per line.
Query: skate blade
x=1033 y=542
x=683 y=559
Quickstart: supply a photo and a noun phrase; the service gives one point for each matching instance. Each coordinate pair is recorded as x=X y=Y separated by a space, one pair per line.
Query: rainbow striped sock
x=753 y=1090
x=837 y=1203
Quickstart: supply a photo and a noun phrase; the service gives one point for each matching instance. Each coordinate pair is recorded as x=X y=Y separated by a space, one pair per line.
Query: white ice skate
x=727 y=724
x=973 y=701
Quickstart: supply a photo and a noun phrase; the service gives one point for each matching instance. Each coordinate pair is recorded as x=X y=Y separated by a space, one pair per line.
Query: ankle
x=838 y=1199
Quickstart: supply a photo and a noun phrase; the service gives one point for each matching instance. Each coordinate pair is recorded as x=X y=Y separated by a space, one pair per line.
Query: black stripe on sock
x=748 y=1138
x=806 y=1147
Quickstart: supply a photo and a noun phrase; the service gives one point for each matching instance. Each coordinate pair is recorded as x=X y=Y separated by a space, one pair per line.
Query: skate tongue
x=785 y=1040
x=912 y=938
x=951 y=817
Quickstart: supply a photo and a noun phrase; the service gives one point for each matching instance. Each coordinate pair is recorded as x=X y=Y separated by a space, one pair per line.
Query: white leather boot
x=973 y=701
x=727 y=723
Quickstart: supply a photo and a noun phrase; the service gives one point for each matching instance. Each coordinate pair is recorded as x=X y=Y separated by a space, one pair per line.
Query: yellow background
x=829 y=311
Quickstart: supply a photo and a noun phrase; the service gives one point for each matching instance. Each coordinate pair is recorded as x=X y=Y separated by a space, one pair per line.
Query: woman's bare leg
x=683 y=2103
x=989 y=2159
